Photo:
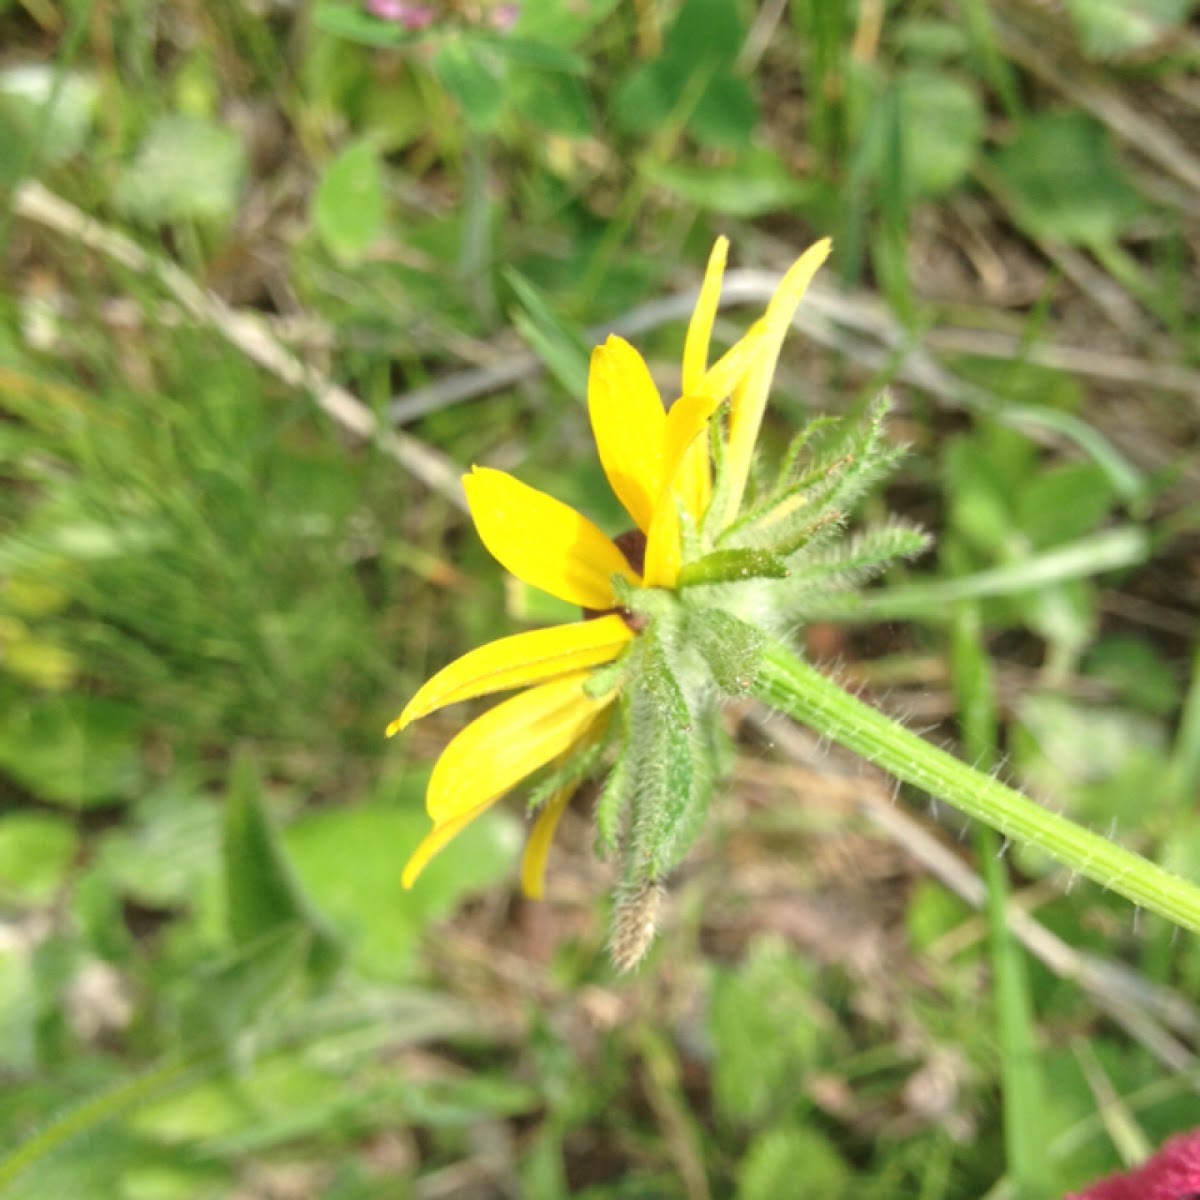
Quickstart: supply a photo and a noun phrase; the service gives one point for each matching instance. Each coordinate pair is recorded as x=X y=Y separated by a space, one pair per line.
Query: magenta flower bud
x=1172 y=1174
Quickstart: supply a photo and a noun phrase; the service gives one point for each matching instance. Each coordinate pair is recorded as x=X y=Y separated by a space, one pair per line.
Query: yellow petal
x=627 y=421
x=543 y=541
x=499 y=749
x=750 y=397
x=695 y=480
x=729 y=370
x=518 y=661
x=437 y=839
x=687 y=420
x=699 y=333
x=694 y=486
x=537 y=848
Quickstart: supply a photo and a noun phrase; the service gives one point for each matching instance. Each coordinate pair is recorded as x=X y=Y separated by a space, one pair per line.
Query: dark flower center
x=632 y=544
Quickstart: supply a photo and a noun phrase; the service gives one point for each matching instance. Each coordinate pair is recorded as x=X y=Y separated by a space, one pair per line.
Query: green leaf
x=544 y=56
x=706 y=31
x=942 y=123
x=62 y=130
x=733 y=566
x=562 y=22
x=186 y=168
x=36 y=850
x=1136 y=671
x=1064 y=746
x=646 y=98
x=262 y=891
x=556 y=103
x=726 y=114
x=350 y=202
x=1062 y=504
x=19 y=1013
x=166 y=850
x=759 y=184
x=767 y=1001
x=1111 y=28
x=1063 y=182
x=349 y=859
x=351 y=23
x=227 y=999
x=779 y=1156
x=76 y=750
x=473 y=80
x=14 y=143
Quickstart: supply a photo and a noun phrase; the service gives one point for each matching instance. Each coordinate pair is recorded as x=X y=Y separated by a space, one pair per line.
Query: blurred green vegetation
x=213 y=596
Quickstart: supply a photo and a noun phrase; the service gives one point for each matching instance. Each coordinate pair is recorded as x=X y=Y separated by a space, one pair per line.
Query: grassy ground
x=219 y=580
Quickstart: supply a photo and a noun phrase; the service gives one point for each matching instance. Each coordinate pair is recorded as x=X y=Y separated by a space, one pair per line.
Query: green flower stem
x=794 y=687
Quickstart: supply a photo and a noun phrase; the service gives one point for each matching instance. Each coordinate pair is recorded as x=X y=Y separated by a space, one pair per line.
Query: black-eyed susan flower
x=675 y=609
x=647 y=454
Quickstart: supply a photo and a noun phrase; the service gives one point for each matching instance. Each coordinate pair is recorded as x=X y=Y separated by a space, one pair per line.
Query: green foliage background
x=213 y=596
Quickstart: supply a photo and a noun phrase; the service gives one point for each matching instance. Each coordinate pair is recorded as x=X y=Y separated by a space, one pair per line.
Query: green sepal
x=849 y=564
x=656 y=603
x=580 y=763
x=718 y=451
x=812 y=433
x=709 y=746
x=730 y=647
x=786 y=523
x=605 y=679
x=733 y=566
x=613 y=802
x=624 y=591
x=660 y=765
x=810 y=506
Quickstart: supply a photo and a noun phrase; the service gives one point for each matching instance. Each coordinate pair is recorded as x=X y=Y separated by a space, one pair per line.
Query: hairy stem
x=798 y=689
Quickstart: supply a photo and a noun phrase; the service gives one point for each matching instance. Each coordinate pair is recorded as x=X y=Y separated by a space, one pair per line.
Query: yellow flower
x=658 y=465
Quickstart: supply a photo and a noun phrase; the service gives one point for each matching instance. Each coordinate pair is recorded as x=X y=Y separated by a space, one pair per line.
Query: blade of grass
x=1025 y=1119
x=1110 y=550
x=37 y=203
x=1183 y=773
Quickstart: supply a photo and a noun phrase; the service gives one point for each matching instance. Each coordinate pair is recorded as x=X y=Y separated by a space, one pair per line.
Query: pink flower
x=1172 y=1174
x=505 y=16
x=411 y=16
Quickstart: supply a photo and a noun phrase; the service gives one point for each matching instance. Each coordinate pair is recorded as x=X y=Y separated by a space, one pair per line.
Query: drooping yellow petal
x=750 y=396
x=695 y=480
x=699 y=332
x=687 y=420
x=543 y=541
x=537 y=848
x=627 y=421
x=729 y=370
x=437 y=839
x=518 y=661
x=499 y=749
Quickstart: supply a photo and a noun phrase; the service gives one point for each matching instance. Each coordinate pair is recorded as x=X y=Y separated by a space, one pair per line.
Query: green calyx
x=707 y=640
